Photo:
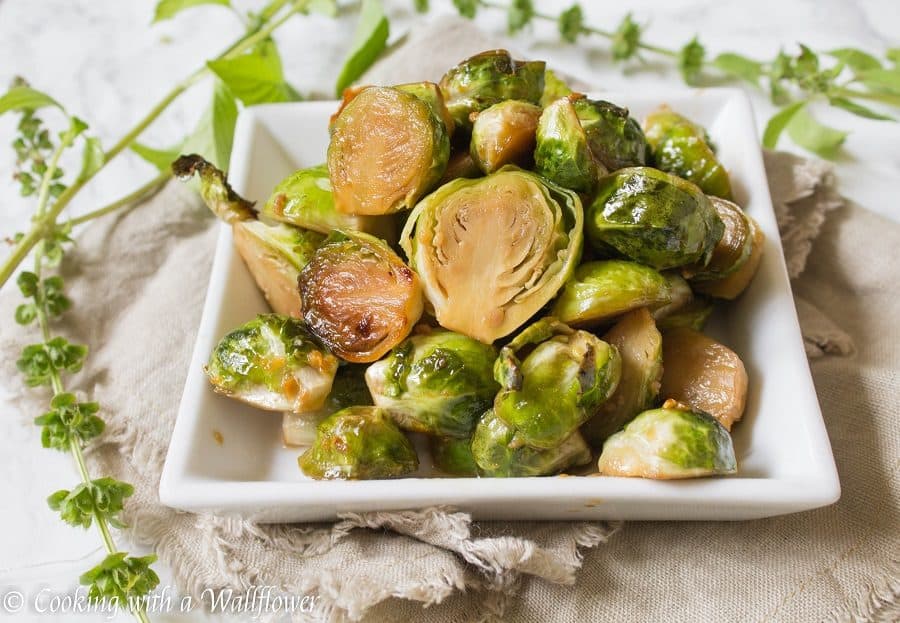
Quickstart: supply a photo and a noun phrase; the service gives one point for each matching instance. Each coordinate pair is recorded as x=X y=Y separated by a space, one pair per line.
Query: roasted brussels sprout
x=348 y=390
x=387 y=149
x=614 y=137
x=359 y=443
x=671 y=442
x=640 y=346
x=359 y=298
x=692 y=315
x=460 y=165
x=562 y=153
x=304 y=199
x=488 y=78
x=735 y=258
x=492 y=251
x=654 y=218
x=504 y=134
x=558 y=386
x=682 y=148
x=273 y=363
x=436 y=383
x=453 y=455
x=704 y=374
x=600 y=291
x=554 y=88
x=431 y=94
x=498 y=453
x=215 y=190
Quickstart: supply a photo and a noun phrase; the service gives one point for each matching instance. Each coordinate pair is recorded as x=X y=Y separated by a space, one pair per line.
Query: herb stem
x=883 y=98
x=130 y=200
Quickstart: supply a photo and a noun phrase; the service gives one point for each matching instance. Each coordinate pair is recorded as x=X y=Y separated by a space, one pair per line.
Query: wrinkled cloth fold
x=140 y=280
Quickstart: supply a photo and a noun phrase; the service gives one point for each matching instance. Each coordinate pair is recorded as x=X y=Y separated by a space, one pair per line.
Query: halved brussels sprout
x=348 y=390
x=640 y=346
x=498 y=454
x=614 y=137
x=666 y=443
x=600 y=291
x=273 y=363
x=431 y=94
x=453 y=455
x=692 y=315
x=680 y=296
x=460 y=165
x=558 y=386
x=562 y=153
x=274 y=255
x=554 y=88
x=704 y=374
x=359 y=298
x=682 y=147
x=436 y=383
x=732 y=284
x=492 y=251
x=504 y=134
x=654 y=218
x=387 y=149
x=488 y=78
x=304 y=199
x=359 y=443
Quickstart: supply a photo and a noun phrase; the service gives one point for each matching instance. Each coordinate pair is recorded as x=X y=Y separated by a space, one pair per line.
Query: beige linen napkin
x=139 y=280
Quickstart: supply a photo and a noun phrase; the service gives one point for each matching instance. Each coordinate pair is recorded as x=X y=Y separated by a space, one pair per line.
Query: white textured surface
x=108 y=65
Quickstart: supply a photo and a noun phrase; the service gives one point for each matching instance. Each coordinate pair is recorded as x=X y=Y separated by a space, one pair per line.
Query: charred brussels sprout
x=359 y=443
x=654 y=218
x=273 y=363
x=504 y=134
x=614 y=137
x=641 y=348
x=600 y=291
x=554 y=88
x=681 y=147
x=562 y=153
x=348 y=390
x=453 y=456
x=359 y=298
x=387 y=149
x=671 y=442
x=304 y=199
x=488 y=78
x=704 y=374
x=498 y=453
x=492 y=251
x=558 y=386
x=735 y=258
x=437 y=383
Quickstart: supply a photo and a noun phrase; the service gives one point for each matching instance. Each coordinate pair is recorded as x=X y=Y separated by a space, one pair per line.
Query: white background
x=108 y=65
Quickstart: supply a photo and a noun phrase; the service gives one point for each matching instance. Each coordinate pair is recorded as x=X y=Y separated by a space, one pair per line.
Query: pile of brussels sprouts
x=515 y=270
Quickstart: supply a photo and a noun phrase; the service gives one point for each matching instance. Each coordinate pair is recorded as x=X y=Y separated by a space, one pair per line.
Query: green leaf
x=25 y=98
x=28 y=283
x=806 y=63
x=893 y=55
x=812 y=135
x=690 y=60
x=162 y=159
x=778 y=122
x=69 y=420
x=120 y=577
x=421 y=6
x=466 y=8
x=858 y=109
x=370 y=39
x=35 y=364
x=92 y=158
x=739 y=66
x=570 y=23
x=857 y=60
x=627 y=39
x=328 y=8
x=215 y=132
x=256 y=77
x=167 y=9
x=882 y=80
x=26 y=313
x=518 y=15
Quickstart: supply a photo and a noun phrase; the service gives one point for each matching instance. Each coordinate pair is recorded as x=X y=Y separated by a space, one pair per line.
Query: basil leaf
x=256 y=77
x=858 y=109
x=167 y=9
x=778 y=122
x=739 y=67
x=466 y=8
x=893 y=55
x=421 y=6
x=690 y=61
x=570 y=23
x=215 y=132
x=370 y=39
x=812 y=135
x=518 y=15
x=25 y=98
x=328 y=8
x=856 y=60
x=162 y=159
x=92 y=158
x=882 y=80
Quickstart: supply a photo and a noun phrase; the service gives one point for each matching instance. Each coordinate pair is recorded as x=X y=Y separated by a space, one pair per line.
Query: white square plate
x=226 y=457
